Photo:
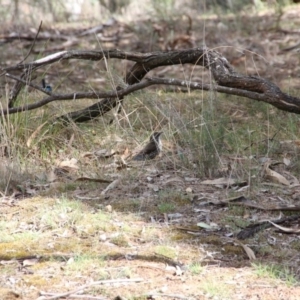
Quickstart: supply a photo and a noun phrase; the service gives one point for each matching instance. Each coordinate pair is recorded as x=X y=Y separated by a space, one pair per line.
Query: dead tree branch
x=115 y=95
x=226 y=78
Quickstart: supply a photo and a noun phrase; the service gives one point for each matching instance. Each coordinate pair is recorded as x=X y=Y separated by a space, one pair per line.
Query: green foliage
x=211 y=138
x=216 y=289
x=275 y=272
x=163 y=8
x=165 y=251
x=166 y=207
x=195 y=268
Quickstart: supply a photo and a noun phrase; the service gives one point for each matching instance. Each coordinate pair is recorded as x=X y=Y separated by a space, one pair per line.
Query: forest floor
x=80 y=220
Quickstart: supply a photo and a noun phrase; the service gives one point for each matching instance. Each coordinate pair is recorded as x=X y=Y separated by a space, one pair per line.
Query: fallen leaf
x=34 y=134
x=87 y=154
x=286 y=161
x=69 y=164
x=248 y=251
x=111 y=186
x=204 y=225
x=30 y=262
x=70 y=261
x=286 y=229
x=104 y=153
x=172 y=181
x=274 y=176
x=208 y=227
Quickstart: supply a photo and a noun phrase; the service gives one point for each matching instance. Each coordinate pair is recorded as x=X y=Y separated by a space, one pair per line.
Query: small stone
x=108 y=208
x=163 y=289
x=189 y=190
x=103 y=237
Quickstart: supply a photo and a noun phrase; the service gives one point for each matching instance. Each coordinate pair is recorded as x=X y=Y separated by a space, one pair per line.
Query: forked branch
x=227 y=79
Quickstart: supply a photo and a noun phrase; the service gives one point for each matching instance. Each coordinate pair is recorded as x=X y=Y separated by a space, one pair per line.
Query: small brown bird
x=152 y=149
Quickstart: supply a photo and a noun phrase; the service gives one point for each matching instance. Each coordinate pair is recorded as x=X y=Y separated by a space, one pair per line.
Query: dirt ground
x=161 y=232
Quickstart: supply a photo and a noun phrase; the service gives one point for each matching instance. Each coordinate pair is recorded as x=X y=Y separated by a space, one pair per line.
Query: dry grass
x=66 y=233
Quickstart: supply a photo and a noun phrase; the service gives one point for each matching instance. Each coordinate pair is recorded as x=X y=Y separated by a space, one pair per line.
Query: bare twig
x=123 y=92
x=111 y=281
x=174 y=296
x=89 y=297
x=73 y=96
x=207 y=87
x=27 y=75
x=35 y=86
x=33 y=43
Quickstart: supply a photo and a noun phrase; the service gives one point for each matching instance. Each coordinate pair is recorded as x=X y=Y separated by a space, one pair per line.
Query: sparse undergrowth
x=68 y=233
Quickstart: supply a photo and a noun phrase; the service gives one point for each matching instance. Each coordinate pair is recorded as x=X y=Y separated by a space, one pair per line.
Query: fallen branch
x=32 y=45
x=82 y=288
x=227 y=79
x=252 y=229
x=110 y=103
x=243 y=201
x=89 y=297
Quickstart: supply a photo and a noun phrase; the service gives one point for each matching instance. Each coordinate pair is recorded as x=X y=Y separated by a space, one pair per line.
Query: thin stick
x=92 y=284
x=35 y=86
x=120 y=93
x=33 y=43
x=174 y=296
x=89 y=297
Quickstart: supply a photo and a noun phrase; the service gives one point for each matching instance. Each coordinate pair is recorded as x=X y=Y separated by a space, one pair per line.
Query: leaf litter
x=110 y=237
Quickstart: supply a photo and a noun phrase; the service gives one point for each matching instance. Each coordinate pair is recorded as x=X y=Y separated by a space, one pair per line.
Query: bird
x=46 y=87
x=152 y=149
